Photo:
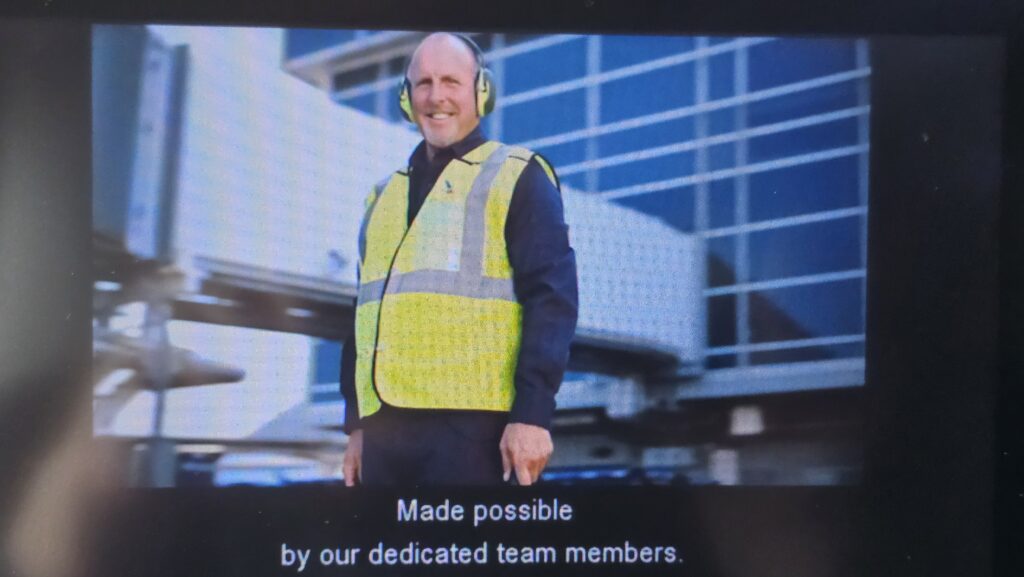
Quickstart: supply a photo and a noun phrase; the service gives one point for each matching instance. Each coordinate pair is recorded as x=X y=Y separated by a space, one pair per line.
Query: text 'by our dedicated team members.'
x=479 y=515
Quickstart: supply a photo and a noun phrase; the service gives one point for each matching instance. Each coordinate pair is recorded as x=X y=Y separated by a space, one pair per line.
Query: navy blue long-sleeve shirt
x=544 y=278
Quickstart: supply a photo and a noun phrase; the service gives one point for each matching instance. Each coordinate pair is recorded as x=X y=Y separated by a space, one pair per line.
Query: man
x=467 y=298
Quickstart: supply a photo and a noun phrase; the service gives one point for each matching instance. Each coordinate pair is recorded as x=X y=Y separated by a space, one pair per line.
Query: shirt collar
x=444 y=155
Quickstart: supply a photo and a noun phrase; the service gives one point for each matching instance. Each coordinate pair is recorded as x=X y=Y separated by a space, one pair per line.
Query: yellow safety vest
x=438 y=325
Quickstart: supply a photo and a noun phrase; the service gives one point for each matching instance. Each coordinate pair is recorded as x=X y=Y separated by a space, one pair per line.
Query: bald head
x=442 y=80
x=443 y=45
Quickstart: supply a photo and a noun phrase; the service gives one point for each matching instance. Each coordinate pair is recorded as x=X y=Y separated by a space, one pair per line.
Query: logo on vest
x=447 y=187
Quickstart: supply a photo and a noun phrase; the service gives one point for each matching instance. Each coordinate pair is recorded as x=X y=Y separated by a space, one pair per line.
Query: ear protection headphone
x=483 y=85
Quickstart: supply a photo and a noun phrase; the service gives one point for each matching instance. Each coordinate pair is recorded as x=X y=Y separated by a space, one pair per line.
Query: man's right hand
x=352 y=466
x=525 y=450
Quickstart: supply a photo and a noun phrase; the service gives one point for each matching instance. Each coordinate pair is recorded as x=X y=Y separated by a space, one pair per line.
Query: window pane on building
x=563 y=155
x=545 y=116
x=645 y=137
x=647 y=170
x=620 y=51
x=303 y=42
x=551 y=65
x=814 y=248
x=722 y=75
x=326 y=366
x=837 y=134
x=722 y=156
x=356 y=77
x=721 y=261
x=814 y=187
x=804 y=103
x=654 y=91
x=722 y=202
x=809 y=311
x=722 y=321
x=791 y=60
x=576 y=181
x=721 y=121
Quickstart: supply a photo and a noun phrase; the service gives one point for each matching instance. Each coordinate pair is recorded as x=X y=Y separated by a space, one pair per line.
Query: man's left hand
x=526 y=450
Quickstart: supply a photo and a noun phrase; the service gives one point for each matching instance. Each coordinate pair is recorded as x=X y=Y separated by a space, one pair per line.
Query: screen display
x=715 y=191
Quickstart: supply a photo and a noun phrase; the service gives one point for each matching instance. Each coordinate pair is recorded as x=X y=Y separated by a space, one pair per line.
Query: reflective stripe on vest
x=437 y=322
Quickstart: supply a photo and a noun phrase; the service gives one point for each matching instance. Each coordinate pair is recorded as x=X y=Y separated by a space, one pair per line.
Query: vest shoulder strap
x=549 y=170
x=526 y=155
x=379 y=188
x=370 y=203
x=481 y=153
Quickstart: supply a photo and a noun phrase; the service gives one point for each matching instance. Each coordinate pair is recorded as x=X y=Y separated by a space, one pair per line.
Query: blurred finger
x=348 y=469
x=523 y=474
x=535 y=469
x=506 y=460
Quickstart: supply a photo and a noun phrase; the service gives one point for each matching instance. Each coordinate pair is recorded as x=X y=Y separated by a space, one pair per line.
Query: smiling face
x=441 y=74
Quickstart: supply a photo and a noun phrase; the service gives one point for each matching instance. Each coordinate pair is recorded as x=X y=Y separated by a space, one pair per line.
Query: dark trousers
x=405 y=448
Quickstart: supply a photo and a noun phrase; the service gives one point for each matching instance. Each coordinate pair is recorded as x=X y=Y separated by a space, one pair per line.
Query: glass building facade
x=759 y=146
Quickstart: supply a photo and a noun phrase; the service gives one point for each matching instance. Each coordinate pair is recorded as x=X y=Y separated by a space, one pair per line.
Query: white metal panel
x=640 y=280
x=273 y=173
